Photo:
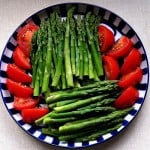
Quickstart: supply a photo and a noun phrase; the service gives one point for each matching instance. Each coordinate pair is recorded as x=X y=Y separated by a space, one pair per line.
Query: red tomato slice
x=20 y=59
x=106 y=38
x=19 y=90
x=111 y=67
x=131 y=62
x=131 y=78
x=24 y=37
x=30 y=115
x=24 y=103
x=17 y=74
x=127 y=98
x=121 y=48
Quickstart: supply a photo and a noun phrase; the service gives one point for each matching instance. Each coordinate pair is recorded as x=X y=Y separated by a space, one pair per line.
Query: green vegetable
x=69 y=75
x=86 y=123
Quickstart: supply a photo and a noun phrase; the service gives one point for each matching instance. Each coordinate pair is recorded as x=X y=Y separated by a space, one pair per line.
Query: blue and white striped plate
x=119 y=26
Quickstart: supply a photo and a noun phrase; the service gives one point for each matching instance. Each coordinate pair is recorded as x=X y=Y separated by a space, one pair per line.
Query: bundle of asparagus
x=65 y=52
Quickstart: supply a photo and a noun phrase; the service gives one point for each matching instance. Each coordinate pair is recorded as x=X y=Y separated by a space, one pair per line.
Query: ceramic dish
x=119 y=26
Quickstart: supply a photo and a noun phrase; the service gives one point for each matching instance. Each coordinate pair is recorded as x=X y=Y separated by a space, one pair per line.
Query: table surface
x=136 y=13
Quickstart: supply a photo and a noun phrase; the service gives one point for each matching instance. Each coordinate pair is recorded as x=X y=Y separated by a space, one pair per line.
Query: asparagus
x=105 y=102
x=50 y=131
x=60 y=37
x=33 y=57
x=74 y=127
x=80 y=93
x=80 y=113
x=93 y=133
x=80 y=45
x=47 y=68
x=79 y=104
x=37 y=65
x=72 y=45
x=51 y=121
x=89 y=22
x=96 y=134
x=69 y=76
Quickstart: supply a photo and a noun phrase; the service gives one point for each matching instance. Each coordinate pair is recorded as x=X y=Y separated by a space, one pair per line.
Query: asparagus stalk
x=80 y=45
x=47 y=68
x=60 y=38
x=83 y=93
x=72 y=45
x=80 y=113
x=86 y=123
x=33 y=56
x=69 y=76
x=93 y=133
x=80 y=103
x=105 y=102
x=89 y=22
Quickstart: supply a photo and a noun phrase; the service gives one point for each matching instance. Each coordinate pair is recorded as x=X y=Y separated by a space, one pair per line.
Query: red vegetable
x=30 y=115
x=111 y=67
x=17 y=74
x=131 y=78
x=20 y=59
x=121 y=48
x=19 y=90
x=106 y=38
x=24 y=103
x=24 y=37
x=127 y=98
x=131 y=62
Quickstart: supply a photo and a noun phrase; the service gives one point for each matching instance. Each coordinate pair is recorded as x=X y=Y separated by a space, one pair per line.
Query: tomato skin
x=20 y=59
x=17 y=74
x=19 y=90
x=121 y=48
x=127 y=98
x=24 y=103
x=30 y=115
x=24 y=37
x=131 y=78
x=111 y=67
x=106 y=38
x=131 y=62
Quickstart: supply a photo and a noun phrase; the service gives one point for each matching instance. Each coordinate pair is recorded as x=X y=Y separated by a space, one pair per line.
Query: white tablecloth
x=136 y=13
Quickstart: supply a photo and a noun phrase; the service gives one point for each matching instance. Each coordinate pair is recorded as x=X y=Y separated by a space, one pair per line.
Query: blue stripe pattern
x=108 y=18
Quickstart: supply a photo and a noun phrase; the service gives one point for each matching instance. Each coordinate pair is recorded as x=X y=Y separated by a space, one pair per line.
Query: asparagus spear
x=80 y=103
x=47 y=68
x=74 y=127
x=105 y=102
x=83 y=93
x=60 y=38
x=93 y=133
x=80 y=45
x=69 y=76
x=33 y=57
x=72 y=45
x=89 y=22
x=80 y=113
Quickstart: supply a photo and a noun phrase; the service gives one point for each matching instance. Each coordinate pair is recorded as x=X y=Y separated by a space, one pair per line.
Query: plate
x=119 y=26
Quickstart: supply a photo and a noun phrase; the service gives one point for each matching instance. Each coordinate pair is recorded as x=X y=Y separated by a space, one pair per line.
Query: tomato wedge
x=121 y=48
x=111 y=67
x=131 y=62
x=106 y=38
x=24 y=103
x=131 y=78
x=24 y=37
x=17 y=74
x=30 y=115
x=19 y=90
x=127 y=98
x=20 y=59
